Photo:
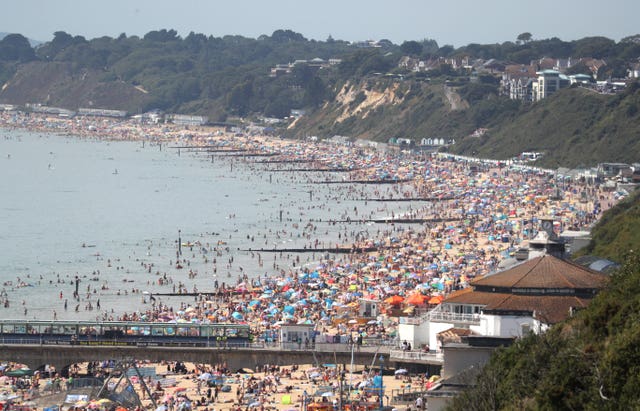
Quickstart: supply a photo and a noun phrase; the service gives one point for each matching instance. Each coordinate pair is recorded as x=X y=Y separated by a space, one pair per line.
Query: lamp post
x=381 y=381
x=340 y=406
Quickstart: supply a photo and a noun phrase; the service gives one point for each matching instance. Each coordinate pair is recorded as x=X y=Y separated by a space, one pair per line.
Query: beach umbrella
x=20 y=372
x=236 y=315
x=401 y=371
x=416 y=299
x=436 y=299
x=394 y=300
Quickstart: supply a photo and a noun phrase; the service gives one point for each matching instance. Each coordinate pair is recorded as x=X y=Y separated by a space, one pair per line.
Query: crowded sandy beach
x=184 y=386
x=474 y=213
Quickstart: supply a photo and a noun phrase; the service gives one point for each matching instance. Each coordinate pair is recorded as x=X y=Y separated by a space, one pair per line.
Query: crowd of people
x=477 y=213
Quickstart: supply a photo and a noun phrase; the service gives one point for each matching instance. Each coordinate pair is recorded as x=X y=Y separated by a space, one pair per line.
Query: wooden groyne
x=249 y=154
x=331 y=250
x=391 y=220
x=292 y=161
x=213 y=148
x=230 y=150
x=411 y=199
x=363 y=181
x=319 y=170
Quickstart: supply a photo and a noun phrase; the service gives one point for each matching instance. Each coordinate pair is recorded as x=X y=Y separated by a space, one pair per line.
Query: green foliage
x=618 y=231
x=7 y=70
x=285 y=36
x=579 y=68
x=365 y=62
x=524 y=37
x=473 y=92
x=411 y=48
x=16 y=47
x=598 y=47
x=180 y=73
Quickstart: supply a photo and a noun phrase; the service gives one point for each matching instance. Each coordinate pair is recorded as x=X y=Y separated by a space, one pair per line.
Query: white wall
x=416 y=335
x=434 y=330
x=504 y=325
x=437 y=403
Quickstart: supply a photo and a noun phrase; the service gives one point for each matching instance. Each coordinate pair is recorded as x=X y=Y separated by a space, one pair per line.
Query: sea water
x=116 y=215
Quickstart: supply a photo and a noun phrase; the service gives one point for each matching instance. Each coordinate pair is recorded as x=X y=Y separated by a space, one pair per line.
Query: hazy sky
x=457 y=22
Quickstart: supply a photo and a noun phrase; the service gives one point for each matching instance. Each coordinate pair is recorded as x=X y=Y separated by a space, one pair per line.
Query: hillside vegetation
x=366 y=95
x=574 y=127
x=618 y=231
x=592 y=360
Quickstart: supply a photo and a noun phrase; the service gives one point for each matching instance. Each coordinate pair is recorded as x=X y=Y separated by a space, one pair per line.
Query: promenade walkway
x=36 y=352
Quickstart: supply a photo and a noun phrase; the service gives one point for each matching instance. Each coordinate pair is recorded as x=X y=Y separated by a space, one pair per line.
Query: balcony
x=438 y=315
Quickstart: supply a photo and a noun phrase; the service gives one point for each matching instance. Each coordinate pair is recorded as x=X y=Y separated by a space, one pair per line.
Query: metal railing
x=403 y=355
x=368 y=345
x=21 y=341
x=406 y=396
x=437 y=314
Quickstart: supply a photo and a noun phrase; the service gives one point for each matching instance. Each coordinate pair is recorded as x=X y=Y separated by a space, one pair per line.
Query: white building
x=186 y=120
x=547 y=83
x=527 y=297
x=296 y=336
x=101 y=112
